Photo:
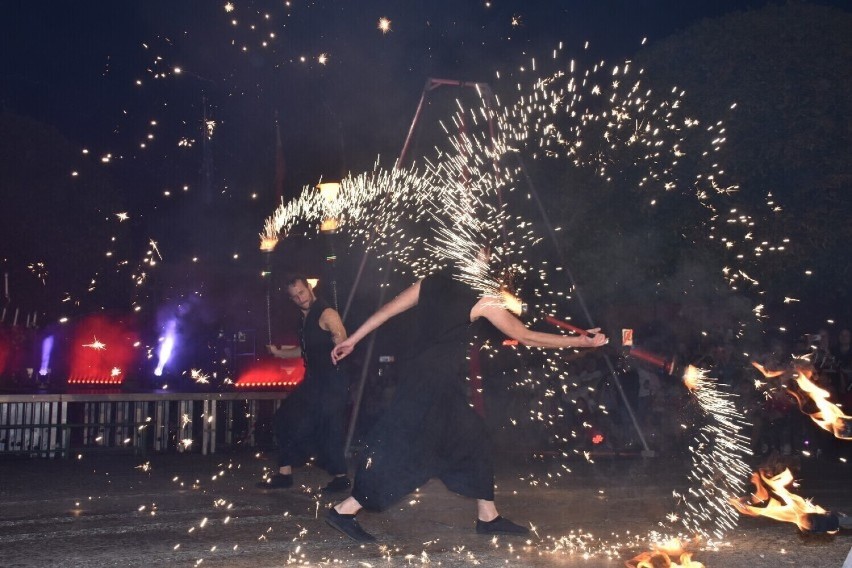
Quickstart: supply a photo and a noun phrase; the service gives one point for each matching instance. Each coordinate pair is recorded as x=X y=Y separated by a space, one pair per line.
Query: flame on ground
x=661 y=557
x=772 y=499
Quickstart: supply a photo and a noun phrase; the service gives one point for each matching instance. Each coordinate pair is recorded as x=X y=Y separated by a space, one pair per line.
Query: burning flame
x=828 y=415
x=660 y=557
x=268 y=243
x=692 y=377
x=777 y=502
x=512 y=303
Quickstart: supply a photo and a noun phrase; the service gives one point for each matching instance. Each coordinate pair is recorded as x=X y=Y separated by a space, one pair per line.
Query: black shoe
x=276 y=481
x=500 y=526
x=338 y=485
x=348 y=525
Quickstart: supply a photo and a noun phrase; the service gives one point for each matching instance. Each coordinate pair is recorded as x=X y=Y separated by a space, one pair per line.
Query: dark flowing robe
x=430 y=430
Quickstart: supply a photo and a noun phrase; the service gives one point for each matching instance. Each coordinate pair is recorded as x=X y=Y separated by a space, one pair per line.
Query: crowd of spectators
x=587 y=411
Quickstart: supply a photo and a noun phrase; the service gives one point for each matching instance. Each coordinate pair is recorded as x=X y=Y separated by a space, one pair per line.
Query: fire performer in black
x=310 y=422
x=430 y=430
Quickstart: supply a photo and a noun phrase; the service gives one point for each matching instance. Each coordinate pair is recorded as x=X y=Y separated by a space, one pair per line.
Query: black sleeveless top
x=436 y=359
x=316 y=343
x=444 y=310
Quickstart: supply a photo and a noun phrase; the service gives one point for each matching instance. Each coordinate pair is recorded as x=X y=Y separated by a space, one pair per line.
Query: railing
x=52 y=425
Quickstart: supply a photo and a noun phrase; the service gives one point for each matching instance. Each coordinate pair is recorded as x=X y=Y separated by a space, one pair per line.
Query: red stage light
x=101 y=351
x=273 y=373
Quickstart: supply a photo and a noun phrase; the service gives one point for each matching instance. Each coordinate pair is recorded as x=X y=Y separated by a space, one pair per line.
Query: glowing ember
x=268 y=243
x=772 y=499
x=384 y=25
x=692 y=377
x=512 y=303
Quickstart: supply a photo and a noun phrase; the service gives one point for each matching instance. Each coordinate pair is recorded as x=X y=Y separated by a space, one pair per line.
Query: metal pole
x=269 y=295
x=647 y=450
x=431 y=84
x=365 y=369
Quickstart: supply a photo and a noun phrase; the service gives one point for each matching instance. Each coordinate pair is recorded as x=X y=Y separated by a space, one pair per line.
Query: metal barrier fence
x=53 y=425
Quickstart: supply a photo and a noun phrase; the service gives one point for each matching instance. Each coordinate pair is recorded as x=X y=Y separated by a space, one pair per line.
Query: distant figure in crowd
x=842 y=354
x=310 y=422
x=430 y=430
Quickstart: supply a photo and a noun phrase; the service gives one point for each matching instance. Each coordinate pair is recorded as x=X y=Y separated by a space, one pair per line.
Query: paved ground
x=109 y=511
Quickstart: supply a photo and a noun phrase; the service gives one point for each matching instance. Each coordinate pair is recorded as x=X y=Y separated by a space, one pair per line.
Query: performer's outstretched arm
x=285 y=351
x=406 y=300
x=506 y=322
x=330 y=321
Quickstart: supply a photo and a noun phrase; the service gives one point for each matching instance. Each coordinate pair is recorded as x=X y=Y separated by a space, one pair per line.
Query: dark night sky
x=74 y=66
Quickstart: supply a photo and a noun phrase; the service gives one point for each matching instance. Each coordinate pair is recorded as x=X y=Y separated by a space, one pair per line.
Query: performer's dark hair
x=292 y=278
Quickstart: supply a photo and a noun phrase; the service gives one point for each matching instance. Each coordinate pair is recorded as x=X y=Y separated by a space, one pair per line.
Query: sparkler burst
x=603 y=119
x=444 y=210
x=718 y=458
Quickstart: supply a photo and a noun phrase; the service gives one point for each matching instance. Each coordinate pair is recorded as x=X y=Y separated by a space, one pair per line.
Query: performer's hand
x=342 y=350
x=594 y=339
x=271 y=349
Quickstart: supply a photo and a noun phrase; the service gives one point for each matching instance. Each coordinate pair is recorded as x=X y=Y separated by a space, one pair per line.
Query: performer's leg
x=332 y=435
x=283 y=421
x=289 y=425
x=342 y=518
x=397 y=459
x=469 y=469
x=486 y=510
x=465 y=452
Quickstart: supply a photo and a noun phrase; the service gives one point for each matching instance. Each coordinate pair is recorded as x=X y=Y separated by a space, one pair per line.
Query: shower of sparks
x=229 y=7
x=123 y=216
x=718 y=453
x=322 y=59
x=384 y=25
x=610 y=124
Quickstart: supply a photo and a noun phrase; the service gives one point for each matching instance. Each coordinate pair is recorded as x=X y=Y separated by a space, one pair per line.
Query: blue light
x=46 y=348
x=166 y=347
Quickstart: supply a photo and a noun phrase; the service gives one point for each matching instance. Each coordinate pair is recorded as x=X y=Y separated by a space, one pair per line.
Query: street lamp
x=329 y=192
